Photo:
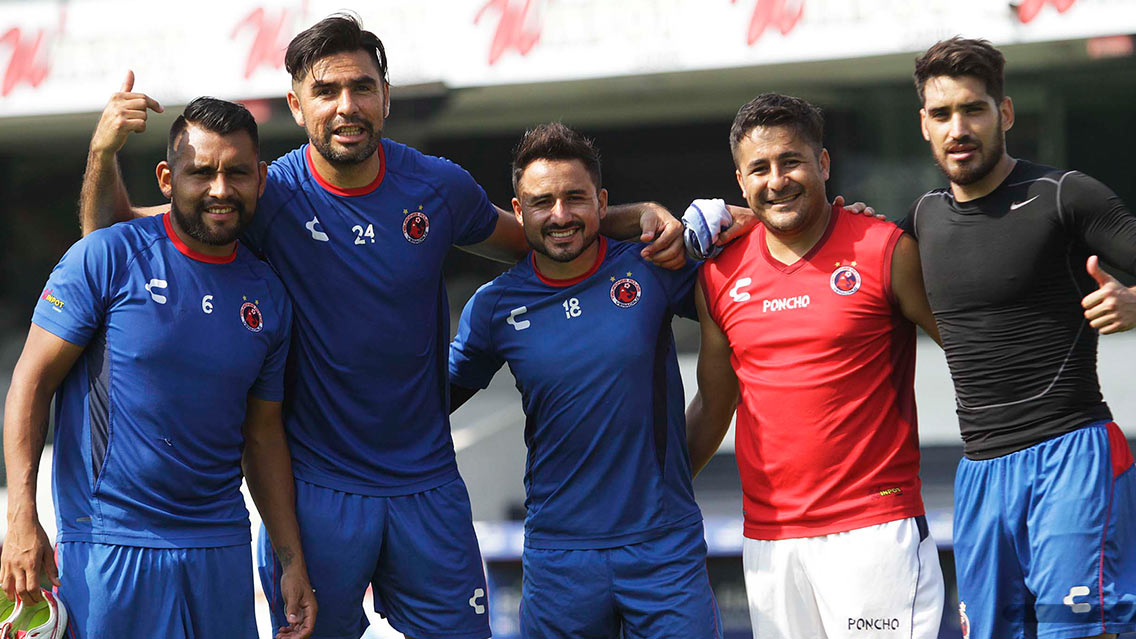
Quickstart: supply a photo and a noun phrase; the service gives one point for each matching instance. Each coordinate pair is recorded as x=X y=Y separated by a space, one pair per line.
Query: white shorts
x=878 y=581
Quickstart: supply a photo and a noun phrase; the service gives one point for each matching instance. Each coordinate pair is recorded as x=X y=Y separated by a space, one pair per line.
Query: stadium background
x=655 y=82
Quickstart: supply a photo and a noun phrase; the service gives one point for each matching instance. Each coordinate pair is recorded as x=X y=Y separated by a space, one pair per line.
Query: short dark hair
x=554 y=141
x=218 y=116
x=337 y=33
x=959 y=57
x=774 y=109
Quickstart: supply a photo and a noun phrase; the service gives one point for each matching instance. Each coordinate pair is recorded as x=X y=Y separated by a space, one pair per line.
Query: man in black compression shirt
x=1045 y=500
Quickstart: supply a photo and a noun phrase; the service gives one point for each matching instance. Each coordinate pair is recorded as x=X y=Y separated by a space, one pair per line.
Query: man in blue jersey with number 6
x=166 y=343
x=613 y=536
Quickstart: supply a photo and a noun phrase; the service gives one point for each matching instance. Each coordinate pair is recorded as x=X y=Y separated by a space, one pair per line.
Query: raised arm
x=103 y=199
x=907 y=285
x=27 y=555
x=708 y=414
x=268 y=471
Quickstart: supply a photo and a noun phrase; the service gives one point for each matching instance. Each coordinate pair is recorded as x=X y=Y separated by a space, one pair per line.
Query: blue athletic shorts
x=1045 y=539
x=656 y=589
x=417 y=552
x=125 y=592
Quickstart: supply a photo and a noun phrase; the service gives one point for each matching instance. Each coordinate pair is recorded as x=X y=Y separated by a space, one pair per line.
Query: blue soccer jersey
x=367 y=408
x=595 y=362
x=148 y=433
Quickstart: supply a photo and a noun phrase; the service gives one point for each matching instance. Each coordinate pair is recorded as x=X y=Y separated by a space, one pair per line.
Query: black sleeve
x=907 y=222
x=1100 y=219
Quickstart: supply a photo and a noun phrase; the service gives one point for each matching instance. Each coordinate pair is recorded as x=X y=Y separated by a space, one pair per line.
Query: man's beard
x=354 y=155
x=967 y=176
x=194 y=224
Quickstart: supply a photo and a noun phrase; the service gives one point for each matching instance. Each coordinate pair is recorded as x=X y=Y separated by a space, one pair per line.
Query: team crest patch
x=416 y=227
x=251 y=318
x=626 y=292
x=845 y=280
x=964 y=621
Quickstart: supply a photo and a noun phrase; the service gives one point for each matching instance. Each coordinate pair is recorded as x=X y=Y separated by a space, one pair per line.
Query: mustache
x=359 y=122
x=208 y=202
x=548 y=228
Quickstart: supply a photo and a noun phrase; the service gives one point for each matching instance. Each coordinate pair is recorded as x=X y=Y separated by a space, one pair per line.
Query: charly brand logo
x=478 y=607
x=512 y=319
x=737 y=293
x=1078 y=607
x=317 y=234
x=153 y=286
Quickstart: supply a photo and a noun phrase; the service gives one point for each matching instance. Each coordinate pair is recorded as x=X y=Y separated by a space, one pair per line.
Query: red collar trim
x=192 y=254
x=336 y=190
x=579 y=278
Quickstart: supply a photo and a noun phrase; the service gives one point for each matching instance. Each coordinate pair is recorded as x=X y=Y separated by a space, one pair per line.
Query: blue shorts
x=417 y=552
x=1045 y=539
x=654 y=589
x=126 y=592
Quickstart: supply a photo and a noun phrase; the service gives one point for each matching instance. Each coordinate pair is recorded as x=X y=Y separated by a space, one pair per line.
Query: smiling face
x=213 y=184
x=342 y=104
x=560 y=209
x=782 y=179
x=965 y=126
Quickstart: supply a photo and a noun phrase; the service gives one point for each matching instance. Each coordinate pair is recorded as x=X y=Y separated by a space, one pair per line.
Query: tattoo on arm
x=286 y=556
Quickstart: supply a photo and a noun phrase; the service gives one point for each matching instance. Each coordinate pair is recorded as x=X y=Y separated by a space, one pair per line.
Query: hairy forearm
x=25 y=432
x=623 y=221
x=707 y=423
x=268 y=471
x=103 y=199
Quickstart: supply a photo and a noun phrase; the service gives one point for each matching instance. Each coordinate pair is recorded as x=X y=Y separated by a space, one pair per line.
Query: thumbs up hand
x=1112 y=307
x=125 y=113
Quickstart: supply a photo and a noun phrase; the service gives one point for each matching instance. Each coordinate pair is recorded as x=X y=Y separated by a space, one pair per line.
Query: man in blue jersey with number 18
x=613 y=536
x=357 y=227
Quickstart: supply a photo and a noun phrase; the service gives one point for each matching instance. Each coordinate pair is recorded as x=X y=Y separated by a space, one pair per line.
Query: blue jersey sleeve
x=473 y=360
x=269 y=384
x=475 y=217
x=679 y=285
x=79 y=291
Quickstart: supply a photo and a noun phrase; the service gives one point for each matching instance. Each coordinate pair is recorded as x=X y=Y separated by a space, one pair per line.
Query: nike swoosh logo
x=1017 y=205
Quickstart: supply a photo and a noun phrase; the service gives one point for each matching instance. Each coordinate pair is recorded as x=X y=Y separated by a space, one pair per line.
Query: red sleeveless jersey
x=826 y=435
